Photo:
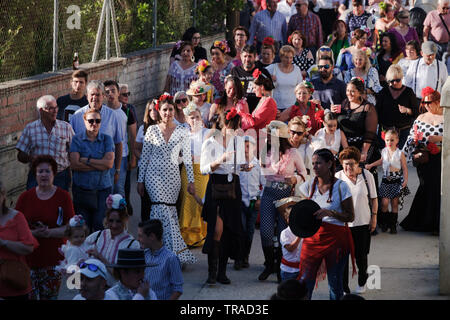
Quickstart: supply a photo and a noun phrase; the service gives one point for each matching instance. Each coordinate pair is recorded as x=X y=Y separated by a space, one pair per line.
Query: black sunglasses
x=326 y=66
x=394 y=80
x=299 y=133
x=91 y=121
x=126 y=94
x=181 y=100
x=427 y=102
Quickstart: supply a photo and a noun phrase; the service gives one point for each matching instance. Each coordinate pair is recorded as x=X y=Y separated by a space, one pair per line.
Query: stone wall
x=144 y=71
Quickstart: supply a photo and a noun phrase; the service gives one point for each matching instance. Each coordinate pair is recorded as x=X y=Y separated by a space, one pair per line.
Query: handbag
x=86 y=199
x=225 y=191
x=421 y=155
x=14 y=274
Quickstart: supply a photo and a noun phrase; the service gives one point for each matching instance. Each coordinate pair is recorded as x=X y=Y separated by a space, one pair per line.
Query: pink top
x=265 y=112
x=438 y=31
x=286 y=166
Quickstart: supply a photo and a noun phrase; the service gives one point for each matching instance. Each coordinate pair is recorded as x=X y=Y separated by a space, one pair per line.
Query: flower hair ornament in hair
x=426 y=92
x=290 y=39
x=116 y=201
x=222 y=45
x=202 y=65
x=256 y=73
x=77 y=221
x=178 y=44
x=382 y=5
x=269 y=41
x=165 y=96
x=307 y=121
x=232 y=113
x=319 y=115
x=358 y=78
x=308 y=85
x=191 y=107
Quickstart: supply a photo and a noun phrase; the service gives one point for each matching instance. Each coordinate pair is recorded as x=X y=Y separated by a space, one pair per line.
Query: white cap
x=92 y=268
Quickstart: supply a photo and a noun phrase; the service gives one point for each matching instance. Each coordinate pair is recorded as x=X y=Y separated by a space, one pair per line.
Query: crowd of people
x=308 y=100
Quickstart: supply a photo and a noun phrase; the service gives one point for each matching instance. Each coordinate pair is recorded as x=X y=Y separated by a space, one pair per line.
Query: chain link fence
x=27 y=28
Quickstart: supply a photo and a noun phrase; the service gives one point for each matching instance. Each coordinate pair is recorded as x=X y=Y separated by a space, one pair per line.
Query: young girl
x=394 y=182
x=198 y=93
x=205 y=73
x=75 y=248
x=329 y=137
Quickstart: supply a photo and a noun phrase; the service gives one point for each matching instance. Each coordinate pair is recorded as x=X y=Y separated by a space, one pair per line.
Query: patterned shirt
x=164 y=273
x=35 y=140
x=309 y=26
x=180 y=78
x=263 y=25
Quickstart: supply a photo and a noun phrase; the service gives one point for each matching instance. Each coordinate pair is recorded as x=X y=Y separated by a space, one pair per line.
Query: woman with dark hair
x=389 y=54
x=403 y=32
x=224 y=238
x=268 y=53
x=332 y=243
x=282 y=170
x=16 y=241
x=359 y=18
x=233 y=96
x=424 y=214
x=181 y=72
x=190 y=35
x=303 y=57
x=412 y=50
x=47 y=209
x=338 y=39
x=220 y=65
x=386 y=21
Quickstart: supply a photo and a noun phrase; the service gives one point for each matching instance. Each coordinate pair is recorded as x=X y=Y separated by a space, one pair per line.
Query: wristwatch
x=88 y=160
x=117 y=171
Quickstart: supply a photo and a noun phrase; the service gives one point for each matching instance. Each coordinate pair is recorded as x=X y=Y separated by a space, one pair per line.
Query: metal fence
x=32 y=41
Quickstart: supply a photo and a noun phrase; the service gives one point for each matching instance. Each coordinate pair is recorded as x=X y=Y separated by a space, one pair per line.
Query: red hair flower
x=232 y=113
x=290 y=39
x=433 y=148
x=268 y=41
x=383 y=135
x=256 y=73
x=318 y=116
x=427 y=91
x=163 y=97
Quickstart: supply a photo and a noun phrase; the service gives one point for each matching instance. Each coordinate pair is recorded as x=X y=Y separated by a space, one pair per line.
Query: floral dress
x=218 y=79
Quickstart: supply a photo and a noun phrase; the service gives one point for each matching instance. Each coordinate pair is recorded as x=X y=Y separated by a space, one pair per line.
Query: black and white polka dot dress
x=302 y=61
x=159 y=169
x=427 y=130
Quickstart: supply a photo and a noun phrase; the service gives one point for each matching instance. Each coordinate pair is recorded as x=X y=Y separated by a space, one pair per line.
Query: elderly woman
x=283 y=168
x=181 y=101
x=403 y=32
x=222 y=212
x=299 y=139
x=129 y=270
x=16 y=241
x=159 y=168
x=221 y=67
x=365 y=203
x=91 y=158
x=285 y=77
x=47 y=209
x=412 y=51
x=364 y=70
x=332 y=242
x=181 y=72
x=428 y=128
x=397 y=105
x=303 y=57
x=104 y=244
x=303 y=106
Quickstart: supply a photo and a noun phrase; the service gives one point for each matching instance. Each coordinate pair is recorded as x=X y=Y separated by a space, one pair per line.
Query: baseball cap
x=429 y=47
x=93 y=268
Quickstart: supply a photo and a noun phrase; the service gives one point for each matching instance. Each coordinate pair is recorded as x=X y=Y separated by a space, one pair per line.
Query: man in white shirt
x=287 y=8
x=426 y=71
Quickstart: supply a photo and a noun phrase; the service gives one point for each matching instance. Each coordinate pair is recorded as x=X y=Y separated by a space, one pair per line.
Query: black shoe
x=245 y=263
x=223 y=279
x=238 y=265
x=268 y=262
x=393 y=223
x=211 y=279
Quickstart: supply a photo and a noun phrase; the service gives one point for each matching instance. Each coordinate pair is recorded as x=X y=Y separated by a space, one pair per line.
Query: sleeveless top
x=320 y=142
x=394 y=161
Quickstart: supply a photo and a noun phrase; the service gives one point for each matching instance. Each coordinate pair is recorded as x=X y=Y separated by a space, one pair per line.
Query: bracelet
x=373 y=214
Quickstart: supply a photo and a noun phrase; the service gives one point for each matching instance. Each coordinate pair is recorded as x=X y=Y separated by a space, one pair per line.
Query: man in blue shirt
x=164 y=273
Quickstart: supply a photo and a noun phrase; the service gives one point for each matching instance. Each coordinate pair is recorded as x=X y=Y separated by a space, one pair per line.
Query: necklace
x=308 y=104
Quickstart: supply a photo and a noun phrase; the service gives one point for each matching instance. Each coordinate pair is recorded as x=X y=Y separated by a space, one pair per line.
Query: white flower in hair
x=191 y=107
x=77 y=221
x=115 y=201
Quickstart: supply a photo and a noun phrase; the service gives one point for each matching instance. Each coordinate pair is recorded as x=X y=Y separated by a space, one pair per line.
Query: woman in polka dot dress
x=427 y=129
x=158 y=167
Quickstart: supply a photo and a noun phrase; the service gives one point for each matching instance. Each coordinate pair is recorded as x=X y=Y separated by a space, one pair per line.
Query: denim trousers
x=288 y=275
x=249 y=215
x=119 y=187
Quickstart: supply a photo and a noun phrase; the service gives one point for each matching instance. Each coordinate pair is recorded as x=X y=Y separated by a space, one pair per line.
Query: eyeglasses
x=178 y=101
x=125 y=94
x=51 y=108
x=299 y=133
x=91 y=121
x=326 y=66
x=394 y=80
x=326 y=49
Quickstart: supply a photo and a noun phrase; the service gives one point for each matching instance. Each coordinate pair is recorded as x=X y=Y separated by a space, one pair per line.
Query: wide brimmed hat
x=130 y=258
x=302 y=221
x=278 y=129
x=198 y=88
x=283 y=204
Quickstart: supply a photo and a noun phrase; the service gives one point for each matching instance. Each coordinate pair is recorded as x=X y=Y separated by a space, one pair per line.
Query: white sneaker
x=360 y=290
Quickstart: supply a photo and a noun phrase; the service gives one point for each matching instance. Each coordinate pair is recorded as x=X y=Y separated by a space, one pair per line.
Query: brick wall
x=144 y=71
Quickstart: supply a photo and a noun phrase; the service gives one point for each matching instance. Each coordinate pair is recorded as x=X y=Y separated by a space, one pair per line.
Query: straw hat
x=197 y=88
x=278 y=129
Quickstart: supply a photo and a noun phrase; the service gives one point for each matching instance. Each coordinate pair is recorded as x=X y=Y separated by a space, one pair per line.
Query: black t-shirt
x=333 y=91
x=130 y=111
x=67 y=106
x=247 y=80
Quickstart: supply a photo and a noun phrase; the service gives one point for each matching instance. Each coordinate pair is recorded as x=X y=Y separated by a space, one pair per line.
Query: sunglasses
x=91 y=121
x=427 y=102
x=299 y=133
x=325 y=66
x=326 y=49
x=90 y=266
x=126 y=94
x=178 y=101
x=394 y=80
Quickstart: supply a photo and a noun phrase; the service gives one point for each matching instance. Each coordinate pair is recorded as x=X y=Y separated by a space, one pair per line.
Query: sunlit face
x=302 y=95
x=431 y=106
x=259 y=90
x=95 y=98
x=49 y=112
x=78 y=85
x=187 y=53
x=361 y=42
x=124 y=95
x=287 y=58
x=359 y=61
x=330 y=126
x=320 y=167
x=267 y=56
x=391 y=140
x=207 y=75
x=167 y=112
x=297 y=41
x=181 y=102
x=428 y=58
x=217 y=56
x=153 y=113
x=112 y=94
x=350 y=167
x=390 y=14
x=240 y=38
x=353 y=94
x=78 y=236
x=230 y=89
x=92 y=122
x=115 y=224
x=195 y=120
x=248 y=60
x=44 y=175
x=411 y=53
x=297 y=132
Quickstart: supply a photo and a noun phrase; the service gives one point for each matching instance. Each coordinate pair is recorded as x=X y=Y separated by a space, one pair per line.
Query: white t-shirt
x=321 y=199
x=124 y=119
x=359 y=196
x=319 y=141
x=288 y=237
x=285 y=85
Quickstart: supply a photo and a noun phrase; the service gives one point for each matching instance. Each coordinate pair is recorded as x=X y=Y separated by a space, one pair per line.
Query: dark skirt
x=229 y=211
x=426 y=207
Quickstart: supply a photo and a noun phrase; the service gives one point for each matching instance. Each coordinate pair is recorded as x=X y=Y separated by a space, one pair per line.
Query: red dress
x=311 y=111
x=263 y=114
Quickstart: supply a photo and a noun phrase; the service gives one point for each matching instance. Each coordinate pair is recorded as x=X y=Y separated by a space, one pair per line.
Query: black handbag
x=86 y=199
x=420 y=155
x=225 y=191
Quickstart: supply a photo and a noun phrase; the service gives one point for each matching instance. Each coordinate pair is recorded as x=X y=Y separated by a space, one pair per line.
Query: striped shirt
x=35 y=140
x=165 y=276
x=309 y=26
x=263 y=25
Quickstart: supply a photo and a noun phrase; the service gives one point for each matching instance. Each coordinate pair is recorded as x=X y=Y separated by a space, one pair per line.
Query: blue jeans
x=335 y=275
x=249 y=216
x=62 y=180
x=119 y=187
x=288 y=275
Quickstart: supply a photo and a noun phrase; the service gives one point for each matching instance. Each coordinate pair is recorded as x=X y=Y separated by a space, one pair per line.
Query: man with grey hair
x=47 y=136
x=426 y=71
x=111 y=124
x=437 y=27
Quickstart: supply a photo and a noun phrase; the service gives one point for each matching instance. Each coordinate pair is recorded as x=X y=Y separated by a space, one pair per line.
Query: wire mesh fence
x=27 y=28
